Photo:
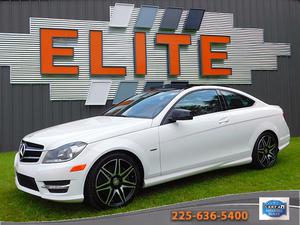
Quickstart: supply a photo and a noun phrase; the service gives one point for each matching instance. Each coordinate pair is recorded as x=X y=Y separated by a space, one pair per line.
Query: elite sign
x=137 y=45
x=172 y=41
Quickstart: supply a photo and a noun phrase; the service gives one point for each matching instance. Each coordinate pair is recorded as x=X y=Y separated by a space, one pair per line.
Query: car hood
x=87 y=130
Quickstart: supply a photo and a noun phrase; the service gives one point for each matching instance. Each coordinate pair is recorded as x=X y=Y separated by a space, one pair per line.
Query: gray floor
x=162 y=215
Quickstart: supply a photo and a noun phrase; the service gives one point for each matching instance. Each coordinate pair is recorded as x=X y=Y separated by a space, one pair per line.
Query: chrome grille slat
x=30 y=157
x=33 y=149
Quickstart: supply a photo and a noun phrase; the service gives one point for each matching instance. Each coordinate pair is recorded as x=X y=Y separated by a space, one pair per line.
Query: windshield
x=145 y=105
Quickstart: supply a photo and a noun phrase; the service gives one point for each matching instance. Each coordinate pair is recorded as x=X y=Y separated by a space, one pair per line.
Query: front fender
x=143 y=144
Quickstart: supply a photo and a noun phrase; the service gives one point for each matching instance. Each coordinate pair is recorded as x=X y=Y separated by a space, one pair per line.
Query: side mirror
x=180 y=114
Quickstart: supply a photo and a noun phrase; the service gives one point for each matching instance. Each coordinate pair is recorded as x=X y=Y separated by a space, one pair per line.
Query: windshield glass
x=145 y=105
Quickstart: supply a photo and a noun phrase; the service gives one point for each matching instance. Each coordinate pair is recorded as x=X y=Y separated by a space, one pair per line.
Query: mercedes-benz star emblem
x=22 y=150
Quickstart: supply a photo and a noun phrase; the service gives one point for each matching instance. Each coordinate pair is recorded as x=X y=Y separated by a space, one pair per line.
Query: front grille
x=27 y=182
x=30 y=152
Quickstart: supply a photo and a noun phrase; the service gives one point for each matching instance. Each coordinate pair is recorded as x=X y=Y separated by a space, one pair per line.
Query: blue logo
x=274 y=208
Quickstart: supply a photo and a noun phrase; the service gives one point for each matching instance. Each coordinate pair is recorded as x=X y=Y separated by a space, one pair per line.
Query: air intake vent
x=27 y=182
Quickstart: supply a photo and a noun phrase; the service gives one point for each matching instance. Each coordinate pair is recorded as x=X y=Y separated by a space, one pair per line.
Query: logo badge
x=274 y=209
x=22 y=150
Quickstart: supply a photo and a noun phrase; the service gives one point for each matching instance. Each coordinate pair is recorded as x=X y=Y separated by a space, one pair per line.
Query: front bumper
x=51 y=172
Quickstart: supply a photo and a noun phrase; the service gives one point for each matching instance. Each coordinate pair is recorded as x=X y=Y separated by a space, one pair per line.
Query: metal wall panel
x=25 y=107
x=247 y=51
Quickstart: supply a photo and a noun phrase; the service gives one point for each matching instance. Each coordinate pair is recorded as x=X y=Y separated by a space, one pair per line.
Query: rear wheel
x=265 y=151
x=113 y=181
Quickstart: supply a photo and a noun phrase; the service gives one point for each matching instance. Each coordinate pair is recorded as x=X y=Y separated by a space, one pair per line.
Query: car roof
x=192 y=87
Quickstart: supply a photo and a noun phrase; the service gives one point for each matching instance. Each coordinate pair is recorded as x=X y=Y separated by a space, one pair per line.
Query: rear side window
x=200 y=102
x=236 y=101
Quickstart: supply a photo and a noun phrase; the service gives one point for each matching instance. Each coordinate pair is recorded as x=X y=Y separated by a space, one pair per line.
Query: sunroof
x=146 y=16
x=194 y=19
x=171 y=19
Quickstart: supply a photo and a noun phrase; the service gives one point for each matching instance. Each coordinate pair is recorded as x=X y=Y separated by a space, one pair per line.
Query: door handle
x=223 y=120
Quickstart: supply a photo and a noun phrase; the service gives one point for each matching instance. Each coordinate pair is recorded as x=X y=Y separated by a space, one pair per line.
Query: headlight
x=64 y=153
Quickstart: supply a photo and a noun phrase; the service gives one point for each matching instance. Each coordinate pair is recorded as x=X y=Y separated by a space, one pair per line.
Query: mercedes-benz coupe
x=151 y=138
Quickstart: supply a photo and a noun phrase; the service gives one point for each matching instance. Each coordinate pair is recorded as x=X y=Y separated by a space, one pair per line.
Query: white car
x=148 y=139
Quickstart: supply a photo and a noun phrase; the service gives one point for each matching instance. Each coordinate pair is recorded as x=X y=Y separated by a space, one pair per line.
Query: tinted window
x=200 y=102
x=235 y=101
x=145 y=105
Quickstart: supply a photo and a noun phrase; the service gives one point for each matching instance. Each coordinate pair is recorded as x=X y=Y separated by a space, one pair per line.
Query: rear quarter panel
x=271 y=118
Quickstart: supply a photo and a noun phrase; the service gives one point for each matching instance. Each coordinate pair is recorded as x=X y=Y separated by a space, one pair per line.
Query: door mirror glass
x=180 y=114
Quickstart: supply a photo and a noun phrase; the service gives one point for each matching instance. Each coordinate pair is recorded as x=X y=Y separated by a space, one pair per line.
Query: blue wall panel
x=126 y=89
x=146 y=16
x=171 y=19
x=194 y=19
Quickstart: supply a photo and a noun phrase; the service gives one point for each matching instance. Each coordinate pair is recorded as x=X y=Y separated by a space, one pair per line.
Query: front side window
x=200 y=102
x=145 y=105
x=236 y=101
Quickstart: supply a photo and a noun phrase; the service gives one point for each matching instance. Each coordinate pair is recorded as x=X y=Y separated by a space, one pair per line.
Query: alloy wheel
x=116 y=182
x=267 y=150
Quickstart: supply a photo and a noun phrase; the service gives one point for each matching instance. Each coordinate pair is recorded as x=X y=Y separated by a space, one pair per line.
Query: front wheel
x=265 y=151
x=113 y=181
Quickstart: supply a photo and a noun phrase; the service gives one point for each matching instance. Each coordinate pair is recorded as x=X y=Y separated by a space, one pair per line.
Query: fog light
x=60 y=186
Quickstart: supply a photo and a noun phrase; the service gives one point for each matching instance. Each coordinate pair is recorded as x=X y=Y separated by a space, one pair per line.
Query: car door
x=194 y=143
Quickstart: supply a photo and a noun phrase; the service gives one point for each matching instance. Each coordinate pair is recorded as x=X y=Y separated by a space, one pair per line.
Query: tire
x=112 y=182
x=265 y=151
